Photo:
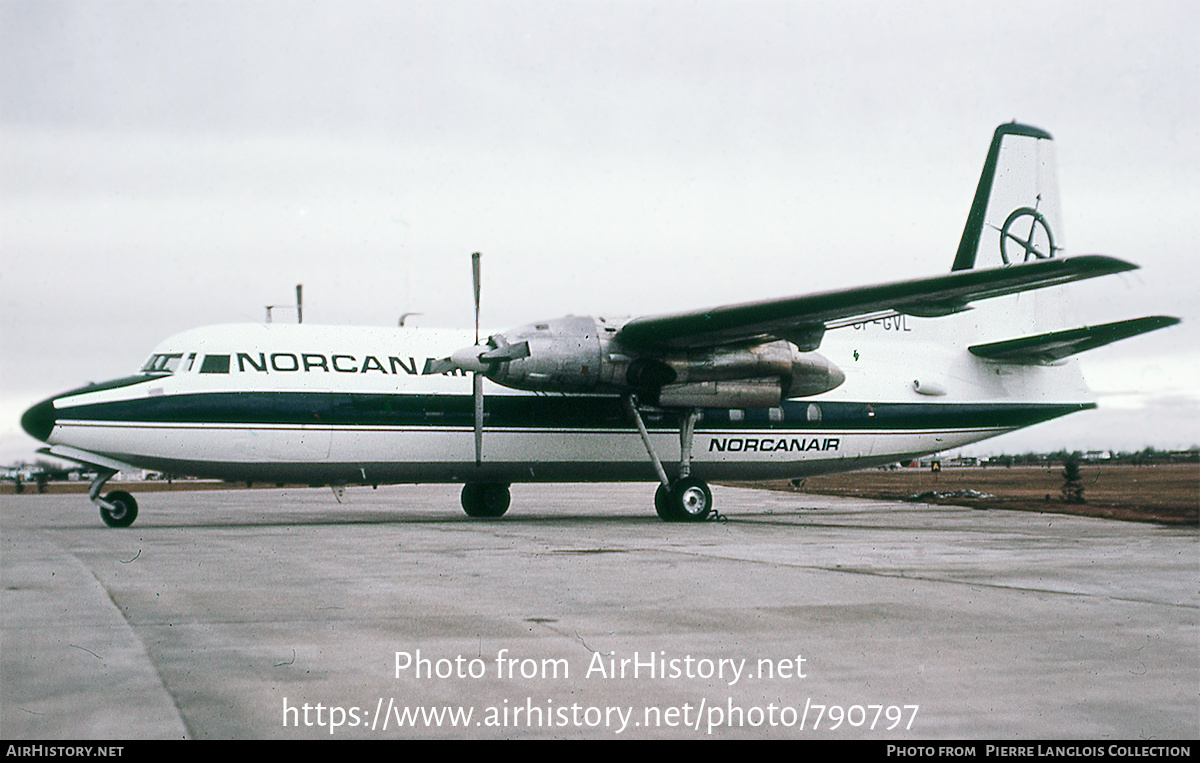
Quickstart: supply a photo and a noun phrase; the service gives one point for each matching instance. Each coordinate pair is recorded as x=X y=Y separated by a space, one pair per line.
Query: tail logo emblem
x=1039 y=244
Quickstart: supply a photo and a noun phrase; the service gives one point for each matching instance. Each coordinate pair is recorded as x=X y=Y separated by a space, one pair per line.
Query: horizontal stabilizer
x=1047 y=348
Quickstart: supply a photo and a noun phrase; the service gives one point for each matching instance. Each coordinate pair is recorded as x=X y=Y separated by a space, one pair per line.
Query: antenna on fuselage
x=299 y=305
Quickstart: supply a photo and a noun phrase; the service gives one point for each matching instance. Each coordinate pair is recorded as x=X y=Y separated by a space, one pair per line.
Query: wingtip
x=1114 y=262
x=1163 y=321
x=1096 y=264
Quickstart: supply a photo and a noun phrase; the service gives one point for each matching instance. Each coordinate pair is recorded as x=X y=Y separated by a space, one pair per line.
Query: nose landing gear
x=118 y=508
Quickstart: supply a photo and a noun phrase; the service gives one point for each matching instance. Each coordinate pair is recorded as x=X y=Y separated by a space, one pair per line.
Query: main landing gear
x=486 y=501
x=118 y=508
x=685 y=499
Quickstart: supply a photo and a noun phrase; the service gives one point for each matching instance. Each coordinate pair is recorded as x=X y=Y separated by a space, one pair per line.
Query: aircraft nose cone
x=39 y=420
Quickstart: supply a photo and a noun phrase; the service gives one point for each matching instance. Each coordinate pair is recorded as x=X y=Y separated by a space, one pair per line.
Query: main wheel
x=485 y=501
x=123 y=511
x=688 y=500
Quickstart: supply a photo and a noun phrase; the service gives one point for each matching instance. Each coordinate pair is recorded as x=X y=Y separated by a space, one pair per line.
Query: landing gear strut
x=685 y=499
x=485 y=500
x=118 y=508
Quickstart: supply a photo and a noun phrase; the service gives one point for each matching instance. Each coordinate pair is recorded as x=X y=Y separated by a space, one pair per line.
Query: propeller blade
x=478 y=391
x=477 y=386
x=475 y=280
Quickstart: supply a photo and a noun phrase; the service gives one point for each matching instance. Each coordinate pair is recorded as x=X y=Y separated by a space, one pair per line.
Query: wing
x=803 y=320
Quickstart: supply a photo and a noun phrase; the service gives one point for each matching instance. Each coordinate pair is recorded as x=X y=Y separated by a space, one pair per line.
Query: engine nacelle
x=565 y=355
x=760 y=376
x=581 y=354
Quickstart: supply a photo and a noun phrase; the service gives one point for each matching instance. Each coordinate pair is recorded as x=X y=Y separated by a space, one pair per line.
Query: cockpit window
x=215 y=364
x=162 y=363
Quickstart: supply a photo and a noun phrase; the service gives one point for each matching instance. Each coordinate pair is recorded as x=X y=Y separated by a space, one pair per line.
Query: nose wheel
x=121 y=509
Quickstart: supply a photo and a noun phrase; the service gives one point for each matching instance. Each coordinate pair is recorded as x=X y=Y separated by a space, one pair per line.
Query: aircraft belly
x=433 y=455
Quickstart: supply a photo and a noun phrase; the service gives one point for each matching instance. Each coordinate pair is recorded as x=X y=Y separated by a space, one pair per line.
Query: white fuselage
x=336 y=405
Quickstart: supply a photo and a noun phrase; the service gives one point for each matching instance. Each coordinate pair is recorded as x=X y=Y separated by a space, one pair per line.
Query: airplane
x=735 y=392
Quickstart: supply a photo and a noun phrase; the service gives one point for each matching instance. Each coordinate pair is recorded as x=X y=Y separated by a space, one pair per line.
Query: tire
x=688 y=500
x=124 y=509
x=485 y=501
x=662 y=503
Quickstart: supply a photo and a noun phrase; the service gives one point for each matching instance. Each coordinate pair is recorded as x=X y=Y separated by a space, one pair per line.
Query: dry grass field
x=1168 y=493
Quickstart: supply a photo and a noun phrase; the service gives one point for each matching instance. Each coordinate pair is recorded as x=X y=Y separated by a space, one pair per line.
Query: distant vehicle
x=734 y=392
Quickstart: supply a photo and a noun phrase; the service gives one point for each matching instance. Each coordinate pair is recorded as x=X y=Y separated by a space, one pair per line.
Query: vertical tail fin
x=1015 y=216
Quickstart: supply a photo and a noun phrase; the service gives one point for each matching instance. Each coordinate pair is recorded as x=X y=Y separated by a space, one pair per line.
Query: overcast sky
x=171 y=164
